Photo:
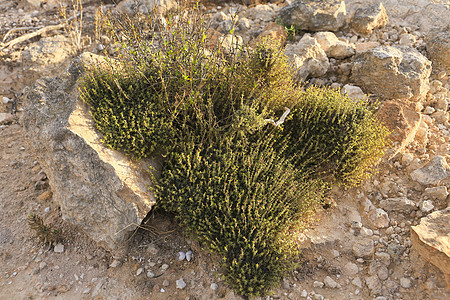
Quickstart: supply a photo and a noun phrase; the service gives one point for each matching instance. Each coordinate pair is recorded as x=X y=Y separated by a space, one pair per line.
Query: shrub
x=242 y=186
x=327 y=128
x=242 y=199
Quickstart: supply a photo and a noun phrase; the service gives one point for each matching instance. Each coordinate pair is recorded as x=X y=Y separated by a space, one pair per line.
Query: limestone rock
x=431 y=239
x=432 y=173
x=403 y=122
x=427 y=15
x=374 y=284
x=145 y=6
x=231 y=42
x=333 y=46
x=400 y=204
x=407 y=39
x=362 y=47
x=438 y=48
x=44 y=57
x=441 y=117
x=368 y=18
x=330 y=283
x=364 y=248
x=98 y=189
x=405 y=282
x=315 y=15
x=426 y=206
x=6 y=118
x=350 y=269
x=408 y=72
x=379 y=218
x=308 y=58
x=49 y=4
x=440 y=193
x=261 y=11
x=273 y=32
x=354 y=92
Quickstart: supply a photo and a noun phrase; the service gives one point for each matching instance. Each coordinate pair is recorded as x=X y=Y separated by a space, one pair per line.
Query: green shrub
x=242 y=199
x=242 y=186
x=327 y=128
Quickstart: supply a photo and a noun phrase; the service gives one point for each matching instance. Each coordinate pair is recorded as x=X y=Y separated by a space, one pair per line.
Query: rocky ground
x=367 y=243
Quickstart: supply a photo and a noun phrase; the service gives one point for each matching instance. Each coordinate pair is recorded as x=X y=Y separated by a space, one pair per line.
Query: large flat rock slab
x=431 y=238
x=98 y=189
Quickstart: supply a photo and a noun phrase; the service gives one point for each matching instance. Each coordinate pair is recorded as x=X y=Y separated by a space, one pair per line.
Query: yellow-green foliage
x=241 y=185
x=326 y=128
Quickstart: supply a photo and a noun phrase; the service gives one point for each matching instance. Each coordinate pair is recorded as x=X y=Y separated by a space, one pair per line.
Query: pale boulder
x=369 y=18
x=431 y=239
x=393 y=73
x=146 y=6
x=354 y=92
x=438 y=48
x=98 y=189
x=433 y=172
x=403 y=122
x=399 y=204
x=307 y=58
x=315 y=15
x=333 y=46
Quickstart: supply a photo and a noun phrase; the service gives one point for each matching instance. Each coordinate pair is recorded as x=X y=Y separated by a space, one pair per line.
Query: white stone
x=432 y=173
x=181 y=284
x=189 y=255
x=214 y=286
x=336 y=253
x=429 y=110
x=357 y=282
x=59 y=248
x=354 y=92
x=407 y=158
x=307 y=58
x=426 y=206
x=181 y=256
x=139 y=271
x=329 y=282
x=351 y=269
x=115 y=263
x=405 y=282
x=150 y=274
x=407 y=39
x=318 y=284
x=379 y=218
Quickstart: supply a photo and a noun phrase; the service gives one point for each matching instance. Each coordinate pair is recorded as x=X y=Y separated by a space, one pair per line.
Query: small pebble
x=304 y=294
x=214 y=286
x=189 y=255
x=318 y=284
x=165 y=282
x=115 y=264
x=164 y=267
x=150 y=274
x=139 y=271
x=181 y=256
x=59 y=248
x=181 y=284
x=405 y=282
